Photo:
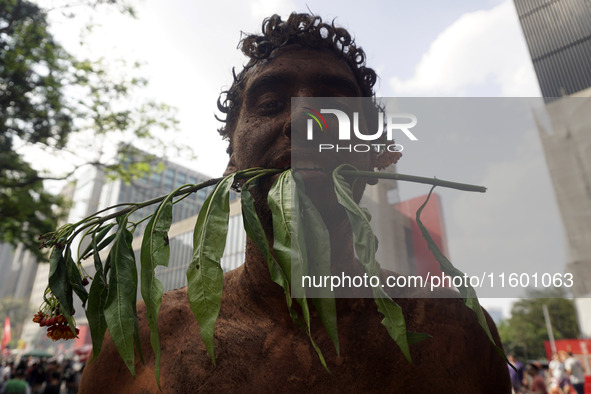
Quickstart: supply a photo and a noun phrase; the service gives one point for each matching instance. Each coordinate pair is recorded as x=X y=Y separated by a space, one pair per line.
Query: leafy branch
x=111 y=301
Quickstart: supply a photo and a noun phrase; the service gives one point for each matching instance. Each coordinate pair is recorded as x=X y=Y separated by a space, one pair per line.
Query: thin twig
x=417 y=179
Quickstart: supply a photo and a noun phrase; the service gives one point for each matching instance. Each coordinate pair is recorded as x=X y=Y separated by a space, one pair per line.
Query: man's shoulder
x=178 y=332
x=447 y=316
x=185 y=362
x=247 y=344
x=444 y=315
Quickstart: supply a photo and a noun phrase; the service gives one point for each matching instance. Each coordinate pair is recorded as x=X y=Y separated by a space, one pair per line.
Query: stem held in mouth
x=416 y=179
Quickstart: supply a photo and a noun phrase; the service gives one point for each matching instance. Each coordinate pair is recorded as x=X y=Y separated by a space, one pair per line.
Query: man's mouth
x=307 y=165
x=283 y=162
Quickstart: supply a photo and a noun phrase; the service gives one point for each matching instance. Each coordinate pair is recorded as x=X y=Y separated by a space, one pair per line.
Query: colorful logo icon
x=315 y=115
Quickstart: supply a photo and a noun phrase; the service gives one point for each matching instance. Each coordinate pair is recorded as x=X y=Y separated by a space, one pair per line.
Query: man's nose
x=298 y=118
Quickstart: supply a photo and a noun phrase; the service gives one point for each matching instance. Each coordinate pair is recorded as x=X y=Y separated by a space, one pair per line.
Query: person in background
x=6 y=372
x=516 y=373
x=54 y=383
x=72 y=376
x=558 y=375
x=36 y=377
x=538 y=383
x=17 y=385
x=575 y=372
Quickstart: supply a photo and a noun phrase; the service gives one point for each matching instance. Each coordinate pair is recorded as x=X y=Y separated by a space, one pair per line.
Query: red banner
x=5 y=333
x=580 y=348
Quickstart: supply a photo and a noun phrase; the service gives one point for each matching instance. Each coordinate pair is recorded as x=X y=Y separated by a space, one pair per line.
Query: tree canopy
x=524 y=333
x=47 y=95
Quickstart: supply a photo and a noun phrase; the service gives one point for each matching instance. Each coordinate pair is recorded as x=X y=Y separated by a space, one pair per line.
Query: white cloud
x=483 y=53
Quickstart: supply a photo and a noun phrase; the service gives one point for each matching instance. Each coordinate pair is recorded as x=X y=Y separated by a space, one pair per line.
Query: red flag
x=5 y=333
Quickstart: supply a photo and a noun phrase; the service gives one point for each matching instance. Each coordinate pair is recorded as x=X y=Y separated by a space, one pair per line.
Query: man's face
x=262 y=134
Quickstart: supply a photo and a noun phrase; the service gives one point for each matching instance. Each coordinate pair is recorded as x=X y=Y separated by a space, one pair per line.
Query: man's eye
x=271 y=107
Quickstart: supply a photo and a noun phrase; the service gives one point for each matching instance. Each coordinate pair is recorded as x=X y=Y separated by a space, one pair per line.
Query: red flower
x=57 y=326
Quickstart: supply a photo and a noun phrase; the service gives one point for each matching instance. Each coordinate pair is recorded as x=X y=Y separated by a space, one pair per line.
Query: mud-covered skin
x=259 y=348
x=259 y=351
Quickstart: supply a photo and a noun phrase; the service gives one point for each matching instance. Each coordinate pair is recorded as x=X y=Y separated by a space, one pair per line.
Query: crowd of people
x=564 y=375
x=36 y=376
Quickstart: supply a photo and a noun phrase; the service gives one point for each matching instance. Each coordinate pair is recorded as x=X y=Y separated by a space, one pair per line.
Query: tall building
x=18 y=267
x=155 y=185
x=558 y=35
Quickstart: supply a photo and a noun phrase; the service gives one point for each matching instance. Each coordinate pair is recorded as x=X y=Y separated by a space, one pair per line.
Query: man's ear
x=231 y=167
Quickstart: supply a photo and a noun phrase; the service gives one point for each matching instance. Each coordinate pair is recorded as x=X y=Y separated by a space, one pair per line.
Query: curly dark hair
x=303 y=29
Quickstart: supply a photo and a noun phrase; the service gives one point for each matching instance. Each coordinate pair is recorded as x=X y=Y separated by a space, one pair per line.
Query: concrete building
x=18 y=267
x=558 y=35
x=567 y=147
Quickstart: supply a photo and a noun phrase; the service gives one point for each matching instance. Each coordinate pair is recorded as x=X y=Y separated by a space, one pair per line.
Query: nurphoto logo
x=394 y=122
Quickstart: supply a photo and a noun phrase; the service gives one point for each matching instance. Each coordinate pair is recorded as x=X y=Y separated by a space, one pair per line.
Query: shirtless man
x=258 y=347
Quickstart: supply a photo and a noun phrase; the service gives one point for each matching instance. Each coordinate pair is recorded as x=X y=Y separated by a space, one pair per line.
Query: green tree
x=46 y=96
x=524 y=333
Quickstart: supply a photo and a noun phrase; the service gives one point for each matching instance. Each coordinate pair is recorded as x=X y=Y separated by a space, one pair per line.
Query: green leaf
x=73 y=275
x=97 y=237
x=416 y=337
x=365 y=247
x=136 y=338
x=467 y=292
x=98 y=264
x=306 y=313
x=120 y=312
x=97 y=299
x=59 y=283
x=317 y=241
x=155 y=251
x=205 y=274
x=107 y=241
x=281 y=204
x=254 y=230
x=394 y=323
